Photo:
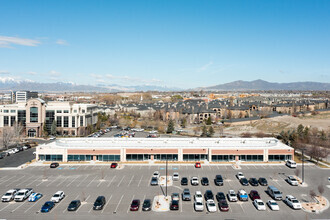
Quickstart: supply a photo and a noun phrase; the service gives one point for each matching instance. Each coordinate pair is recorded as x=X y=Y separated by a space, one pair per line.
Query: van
x=291 y=164
x=274 y=193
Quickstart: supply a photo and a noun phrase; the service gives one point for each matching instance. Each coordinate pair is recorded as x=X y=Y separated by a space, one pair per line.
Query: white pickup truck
x=240 y=175
x=9 y=195
x=23 y=194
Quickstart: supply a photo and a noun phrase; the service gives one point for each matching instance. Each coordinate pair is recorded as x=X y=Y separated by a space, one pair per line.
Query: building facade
x=161 y=149
x=35 y=115
x=23 y=96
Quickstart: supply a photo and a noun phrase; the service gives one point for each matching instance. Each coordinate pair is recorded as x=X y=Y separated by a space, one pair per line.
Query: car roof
x=58 y=192
x=258 y=200
x=198 y=192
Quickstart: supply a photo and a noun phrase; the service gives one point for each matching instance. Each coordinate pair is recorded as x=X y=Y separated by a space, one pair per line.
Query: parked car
x=184 y=181
x=23 y=194
x=175 y=196
x=9 y=195
x=231 y=195
x=220 y=196
x=274 y=193
x=34 y=197
x=156 y=174
x=244 y=181
x=58 y=196
x=292 y=202
x=154 y=181
x=198 y=196
x=114 y=165
x=259 y=204
x=292 y=181
x=135 y=205
x=146 y=205
x=223 y=206
x=186 y=195
x=99 y=203
x=210 y=205
x=54 y=165
x=262 y=181
x=239 y=175
x=205 y=181
x=254 y=195
x=218 y=181
x=242 y=195
x=174 y=205
x=47 y=206
x=208 y=195
x=253 y=182
x=198 y=206
x=176 y=176
x=194 y=181
x=198 y=165
x=273 y=205
x=291 y=164
x=74 y=205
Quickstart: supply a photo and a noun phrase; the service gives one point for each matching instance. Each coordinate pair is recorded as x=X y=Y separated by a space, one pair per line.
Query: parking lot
x=121 y=186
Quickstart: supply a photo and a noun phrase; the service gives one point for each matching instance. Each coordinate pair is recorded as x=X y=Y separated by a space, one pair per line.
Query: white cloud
x=32 y=73
x=7 y=42
x=62 y=42
x=205 y=67
x=97 y=76
x=101 y=81
x=54 y=73
x=4 y=72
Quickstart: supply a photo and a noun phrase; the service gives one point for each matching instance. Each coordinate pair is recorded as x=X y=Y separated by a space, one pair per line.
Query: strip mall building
x=173 y=149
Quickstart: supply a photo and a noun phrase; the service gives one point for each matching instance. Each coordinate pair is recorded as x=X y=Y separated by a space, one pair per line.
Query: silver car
x=154 y=181
x=186 y=195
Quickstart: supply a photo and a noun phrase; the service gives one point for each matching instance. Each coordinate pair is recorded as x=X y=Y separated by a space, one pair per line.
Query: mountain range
x=10 y=84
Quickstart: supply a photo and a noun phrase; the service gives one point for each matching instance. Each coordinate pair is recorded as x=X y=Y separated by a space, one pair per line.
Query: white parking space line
x=131 y=167
x=130 y=181
x=62 y=181
x=209 y=167
x=118 y=204
x=218 y=167
x=140 y=167
x=18 y=207
x=142 y=202
x=2 y=178
x=140 y=181
x=130 y=203
x=72 y=181
x=149 y=167
x=226 y=167
x=7 y=179
x=35 y=203
x=70 y=202
x=83 y=180
x=85 y=167
x=111 y=180
x=30 y=183
x=101 y=181
x=53 y=181
x=27 y=179
x=91 y=181
x=242 y=208
x=108 y=201
x=5 y=207
x=121 y=181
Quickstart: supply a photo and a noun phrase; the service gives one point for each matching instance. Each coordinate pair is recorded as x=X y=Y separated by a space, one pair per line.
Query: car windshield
x=211 y=204
x=146 y=203
x=199 y=196
x=232 y=194
x=56 y=195
x=135 y=203
x=199 y=203
x=273 y=203
x=74 y=202
x=8 y=194
x=21 y=193
x=295 y=201
x=277 y=192
x=260 y=203
x=186 y=193
x=48 y=204
x=224 y=204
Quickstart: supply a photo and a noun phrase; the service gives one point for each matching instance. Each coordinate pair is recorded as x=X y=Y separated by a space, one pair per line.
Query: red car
x=198 y=165
x=223 y=206
x=135 y=205
x=254 y=195
x=114 y=165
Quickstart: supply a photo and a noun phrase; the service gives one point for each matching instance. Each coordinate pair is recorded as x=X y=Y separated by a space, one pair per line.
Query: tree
x=18 y=131
x=7 y=137
x=45 y=132
x=204 y=131
x=209 y=121
x=312 y=194
x=306 y=133
x=184 y=122
x=170 y=126
x=300 y=130
x=53 y=128
x=211 y=132
x=320 y=188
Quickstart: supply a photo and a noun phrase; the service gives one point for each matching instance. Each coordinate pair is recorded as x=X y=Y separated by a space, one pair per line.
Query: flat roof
x=224 y=143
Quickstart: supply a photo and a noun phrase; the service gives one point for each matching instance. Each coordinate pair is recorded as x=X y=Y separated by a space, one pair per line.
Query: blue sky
x=173 y=43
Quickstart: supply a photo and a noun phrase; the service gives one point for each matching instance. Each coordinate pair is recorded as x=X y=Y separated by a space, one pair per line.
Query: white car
x=9 y=195
x=194 y=181
x=199 y=206
x=259 y=204
x=58 y=196
x=52 y=138
x=199 y=196
x=210 y=205
x=156 y=174
x=273 y=205
x=293 y=181
x=16 y=150
x=292 y=202
x=11 y=151
x=240 y=175
x=25 y=147
x=176 y=176
x=232 y=197
x=22 y=194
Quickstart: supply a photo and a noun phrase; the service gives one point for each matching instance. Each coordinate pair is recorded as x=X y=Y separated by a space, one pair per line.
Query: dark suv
x=99 y=203
x=54 y=165
x=184 y=181
x=218 y=180
x=208 y=195
x=205 y=181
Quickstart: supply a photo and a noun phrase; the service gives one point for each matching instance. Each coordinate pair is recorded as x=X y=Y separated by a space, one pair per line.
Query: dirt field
x=276 y=125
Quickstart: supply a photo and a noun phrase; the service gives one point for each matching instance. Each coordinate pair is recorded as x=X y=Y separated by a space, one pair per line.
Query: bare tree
x=312 y=194
x=17 y=132
x=320 y=188
x=7 y=137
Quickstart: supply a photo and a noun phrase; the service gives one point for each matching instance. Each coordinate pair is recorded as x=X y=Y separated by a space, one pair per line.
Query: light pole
x=166 y=178
x=303 y=170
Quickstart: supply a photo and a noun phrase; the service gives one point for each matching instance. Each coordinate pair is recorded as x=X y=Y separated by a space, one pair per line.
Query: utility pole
x=303 y=170
x=166 y=177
